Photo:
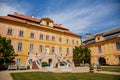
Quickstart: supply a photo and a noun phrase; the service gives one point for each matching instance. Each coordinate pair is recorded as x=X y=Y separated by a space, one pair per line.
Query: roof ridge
x=108 y=30
x=24 y=17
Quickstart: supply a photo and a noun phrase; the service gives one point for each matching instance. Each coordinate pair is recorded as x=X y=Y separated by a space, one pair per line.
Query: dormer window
x=98 y=38
x=47 y=23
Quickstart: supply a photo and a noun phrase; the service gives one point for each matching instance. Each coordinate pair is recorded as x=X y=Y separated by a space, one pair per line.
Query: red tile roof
x=59 y=26
x=69 y=32
x=24 y=17
x=13 y=19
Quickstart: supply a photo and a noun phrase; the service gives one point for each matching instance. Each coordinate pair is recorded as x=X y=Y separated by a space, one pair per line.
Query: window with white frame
x=40 y=48
x=67 y=51
x=60 y=39
x=21 y=33
x=118 y=45
x=67 y=40
x=72 y=41
x=53 y=50
x=47 y=37
x=31 y=35
x=18 y=61
x=19 y=46
x=41 y=36
x=60 y=50
x=9 y=31
x=31 y=48
x=53 y=38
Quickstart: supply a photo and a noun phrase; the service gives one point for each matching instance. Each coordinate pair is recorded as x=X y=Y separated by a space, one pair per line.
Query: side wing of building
x=105 y=47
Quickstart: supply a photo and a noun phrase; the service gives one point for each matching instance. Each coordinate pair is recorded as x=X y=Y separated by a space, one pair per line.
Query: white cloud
x=81 y=20
x=7 y=8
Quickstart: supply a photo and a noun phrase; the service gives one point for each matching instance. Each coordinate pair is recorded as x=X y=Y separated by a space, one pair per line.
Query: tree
x=87 y=56
x=81 y=55
x=76 y=55
x=7 y=53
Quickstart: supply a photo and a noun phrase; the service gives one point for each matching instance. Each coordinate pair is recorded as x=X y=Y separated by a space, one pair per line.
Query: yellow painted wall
x=26 y=40
x=109 y=51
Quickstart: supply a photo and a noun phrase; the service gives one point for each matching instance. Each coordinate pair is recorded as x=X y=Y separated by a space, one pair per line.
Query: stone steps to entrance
x=34 y=65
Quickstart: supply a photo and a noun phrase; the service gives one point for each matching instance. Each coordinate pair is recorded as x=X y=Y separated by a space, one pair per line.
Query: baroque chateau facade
x=38 y=40
x=41 y=40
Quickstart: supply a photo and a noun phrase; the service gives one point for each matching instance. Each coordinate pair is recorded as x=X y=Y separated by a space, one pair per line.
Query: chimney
x=88 y=35
x=60 y=24
x=33 y=16
x=15 y=12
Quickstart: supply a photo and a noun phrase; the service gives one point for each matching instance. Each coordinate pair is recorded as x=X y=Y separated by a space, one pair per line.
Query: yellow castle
x=33 y=39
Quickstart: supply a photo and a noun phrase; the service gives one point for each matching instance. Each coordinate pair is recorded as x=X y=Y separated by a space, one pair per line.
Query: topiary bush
x=62 y=64
x=44 y=64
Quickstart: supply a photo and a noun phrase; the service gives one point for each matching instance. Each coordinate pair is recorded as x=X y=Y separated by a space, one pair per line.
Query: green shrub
x=98 y=66
x=28 y=66
x=62 y=64
x=91 y=67
x=44 y=64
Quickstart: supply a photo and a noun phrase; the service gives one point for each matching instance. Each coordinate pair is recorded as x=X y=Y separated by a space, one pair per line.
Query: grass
x=111 y=68
x=63 y=76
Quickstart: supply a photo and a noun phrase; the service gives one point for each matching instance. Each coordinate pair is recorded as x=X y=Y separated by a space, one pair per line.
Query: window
x=60 y=50
x=47 y=23
x=19 y=46
x=99 y=49
x=21 y=33
x=72 y=41
x=119 y=59
x=41 y=36
x=118 y=45
x=53 y=38
x=47 y=49
x=9 y=31
x=31 y=48
x=18 y=61
x=31 y=35
x=40 y=48
x=98 y=38
x=60 y=39
x=67 y=41
x=53 y=50
x=47 y=37
x=77 y=42
x=67 y=51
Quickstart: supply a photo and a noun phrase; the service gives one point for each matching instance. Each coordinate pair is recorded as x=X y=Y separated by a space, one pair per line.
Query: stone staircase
x=34 y=65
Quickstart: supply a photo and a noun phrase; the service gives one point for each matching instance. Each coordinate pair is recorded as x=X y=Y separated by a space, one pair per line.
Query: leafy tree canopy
x=7 y=53
x=81 y=55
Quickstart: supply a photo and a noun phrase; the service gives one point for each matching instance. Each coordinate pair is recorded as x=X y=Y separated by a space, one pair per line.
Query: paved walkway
x=5 y=75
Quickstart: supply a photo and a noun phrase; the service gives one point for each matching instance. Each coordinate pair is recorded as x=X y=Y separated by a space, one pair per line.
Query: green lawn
x=62 y=76
x=111 y=68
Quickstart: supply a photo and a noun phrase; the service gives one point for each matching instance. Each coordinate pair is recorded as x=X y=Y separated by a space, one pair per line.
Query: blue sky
x=80 y=16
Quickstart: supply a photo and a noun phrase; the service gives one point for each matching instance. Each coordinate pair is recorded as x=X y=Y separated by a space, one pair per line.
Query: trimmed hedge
x=44 y=64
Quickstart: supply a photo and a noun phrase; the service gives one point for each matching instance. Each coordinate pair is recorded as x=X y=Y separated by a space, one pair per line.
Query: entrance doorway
x=47 y=49
x=102 y=61
x=49 y=61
